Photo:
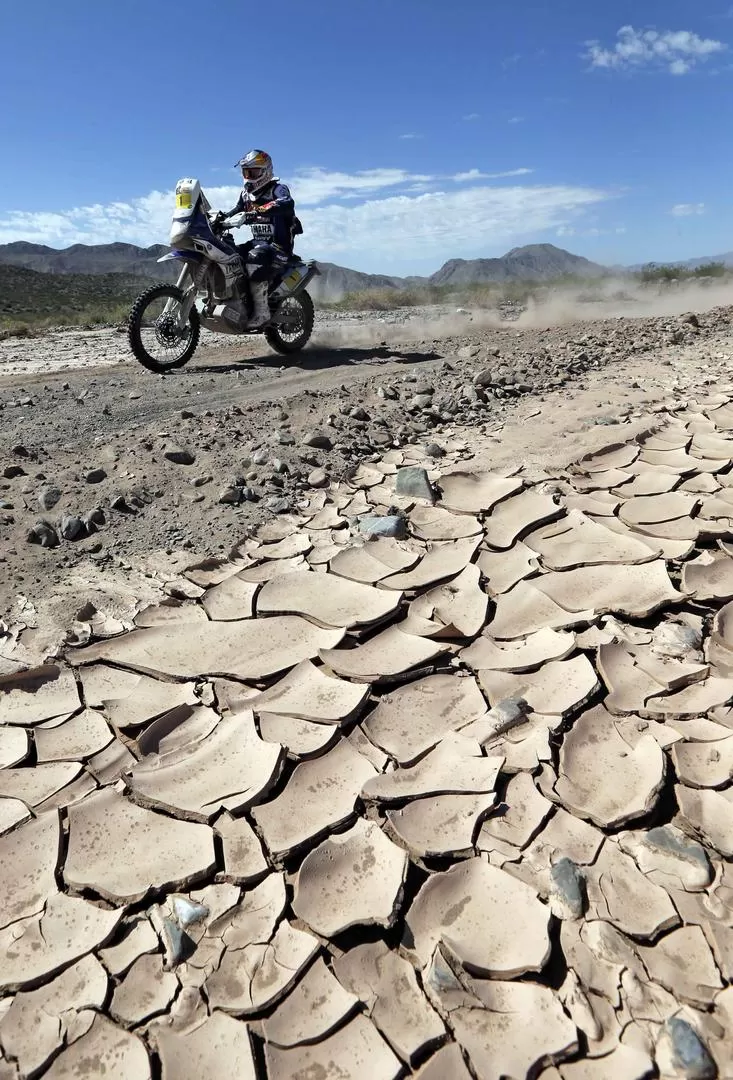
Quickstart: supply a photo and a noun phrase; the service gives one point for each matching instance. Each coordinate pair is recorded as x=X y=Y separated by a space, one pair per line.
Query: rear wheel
x=293 y=333
x=153 y=332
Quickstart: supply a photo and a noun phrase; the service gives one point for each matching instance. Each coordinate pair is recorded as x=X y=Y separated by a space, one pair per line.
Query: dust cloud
x=547 y=307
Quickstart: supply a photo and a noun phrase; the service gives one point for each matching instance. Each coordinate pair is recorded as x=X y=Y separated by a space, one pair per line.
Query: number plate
x=183 y=200
x=262 y=232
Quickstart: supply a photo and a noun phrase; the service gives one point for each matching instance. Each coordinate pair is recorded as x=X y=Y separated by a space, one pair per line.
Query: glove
x=218 y=219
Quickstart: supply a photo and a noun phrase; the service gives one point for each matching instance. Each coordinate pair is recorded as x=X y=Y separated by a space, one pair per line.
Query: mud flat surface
x=430 y=774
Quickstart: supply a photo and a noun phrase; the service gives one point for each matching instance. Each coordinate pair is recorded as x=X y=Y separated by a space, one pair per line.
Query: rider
x=269 y=208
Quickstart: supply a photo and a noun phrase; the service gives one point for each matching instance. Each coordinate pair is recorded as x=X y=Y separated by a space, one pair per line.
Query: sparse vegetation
x=30 y=300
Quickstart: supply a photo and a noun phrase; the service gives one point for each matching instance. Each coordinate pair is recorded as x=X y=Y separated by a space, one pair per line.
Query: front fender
x=186 y=256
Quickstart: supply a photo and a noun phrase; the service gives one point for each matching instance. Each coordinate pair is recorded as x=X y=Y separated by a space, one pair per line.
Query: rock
x=249 y=494
x=11 y=471
x=231 y=495
x=285 y=438
x=421 y=401
x=318 y=440
x=186 y=414
x=414 y=483
x=567 y=898
x=280 y=506
x=71 y=527
x=260 y=457
x=359 y=413
x=434 y=450
x=682 y=1053
x=692 y=320
x=95 y=476
x=391 y=525
x=44 y=534
x=48 y=497
x=179 y=455
x=387 y=392
x=317 y=479
x=93 y=519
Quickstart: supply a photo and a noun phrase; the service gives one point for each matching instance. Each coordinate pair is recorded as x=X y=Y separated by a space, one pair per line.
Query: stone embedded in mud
x=681 y=1052
x=413 y=482
x=567 y=897
x=391 y=525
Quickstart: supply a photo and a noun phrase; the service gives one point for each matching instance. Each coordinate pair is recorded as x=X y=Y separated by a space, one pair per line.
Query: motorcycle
x=212 y=290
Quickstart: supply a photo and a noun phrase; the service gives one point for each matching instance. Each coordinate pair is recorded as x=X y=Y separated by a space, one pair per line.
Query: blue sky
x=411 y=131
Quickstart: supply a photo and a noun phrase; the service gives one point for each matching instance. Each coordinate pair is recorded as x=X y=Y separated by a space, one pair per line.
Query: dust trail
x=611 y=299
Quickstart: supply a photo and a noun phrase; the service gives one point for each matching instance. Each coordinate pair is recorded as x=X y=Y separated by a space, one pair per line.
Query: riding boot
x=261 y=310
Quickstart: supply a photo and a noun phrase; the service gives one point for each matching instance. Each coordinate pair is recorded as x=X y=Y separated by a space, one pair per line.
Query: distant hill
x=85 y=258
x=535 y=262
x=33 y=296
x=692 y=264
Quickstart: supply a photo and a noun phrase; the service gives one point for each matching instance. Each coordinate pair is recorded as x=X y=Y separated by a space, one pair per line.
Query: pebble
x=434 y=450
x=179 y=455
x=318 y=440
x=48 y=497
x=318 y=478
x=95 y=476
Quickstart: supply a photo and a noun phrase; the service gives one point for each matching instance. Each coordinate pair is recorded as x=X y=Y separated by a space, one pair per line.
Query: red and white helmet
x=256 y=169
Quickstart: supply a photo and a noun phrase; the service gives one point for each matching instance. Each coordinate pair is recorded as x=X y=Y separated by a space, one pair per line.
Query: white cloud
x=437 y=224
x=476 y=174
x=570 y=230
x=676 y=51
x=364 y=219
x=472 y=116
x=410 y=135
x=515 y=120
x=687 y=209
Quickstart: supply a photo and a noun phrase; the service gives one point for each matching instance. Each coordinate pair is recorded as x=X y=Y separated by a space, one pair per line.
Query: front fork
x=188 y=283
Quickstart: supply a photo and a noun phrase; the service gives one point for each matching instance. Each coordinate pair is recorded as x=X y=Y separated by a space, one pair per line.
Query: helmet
x=256 y=169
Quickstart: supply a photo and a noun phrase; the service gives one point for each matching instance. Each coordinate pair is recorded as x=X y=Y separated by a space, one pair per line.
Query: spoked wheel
x=153 y=332
x=293 y=333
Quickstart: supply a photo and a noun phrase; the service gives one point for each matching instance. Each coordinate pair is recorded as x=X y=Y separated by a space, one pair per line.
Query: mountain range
x=534 y=262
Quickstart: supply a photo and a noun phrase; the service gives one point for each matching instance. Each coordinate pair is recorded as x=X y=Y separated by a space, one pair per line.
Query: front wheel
x=153 y=332
x=293 y=333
